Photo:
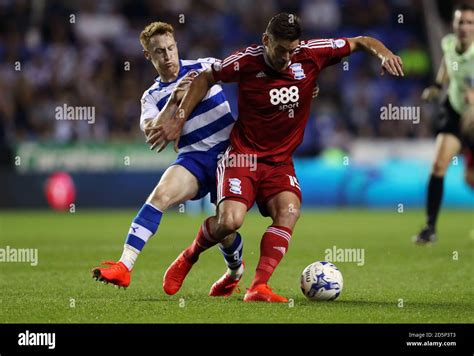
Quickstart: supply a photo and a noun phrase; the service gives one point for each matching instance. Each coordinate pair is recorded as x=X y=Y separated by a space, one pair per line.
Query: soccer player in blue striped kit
x=192 y=176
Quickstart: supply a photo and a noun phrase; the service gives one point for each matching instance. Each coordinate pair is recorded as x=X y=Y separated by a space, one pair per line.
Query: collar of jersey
x=181 y=73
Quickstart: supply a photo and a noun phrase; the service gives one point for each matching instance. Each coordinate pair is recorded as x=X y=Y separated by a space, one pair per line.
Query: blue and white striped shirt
x=209 y=125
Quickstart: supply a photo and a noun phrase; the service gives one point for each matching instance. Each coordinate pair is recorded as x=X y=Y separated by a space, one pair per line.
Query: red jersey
x=274 y=106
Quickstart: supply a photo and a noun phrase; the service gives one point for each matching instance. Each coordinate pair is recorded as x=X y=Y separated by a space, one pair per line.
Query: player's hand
x=392 y=64
x=149 y=128
x=157 y=141
x=430 y=93
x=161 y=133
x=180 y=89
x=152 y=133
x=165 y=143
x=315 y=91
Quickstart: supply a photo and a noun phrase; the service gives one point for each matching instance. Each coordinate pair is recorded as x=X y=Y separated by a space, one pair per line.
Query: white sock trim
x=129 y=256
x=236 y=273
x=140 y=231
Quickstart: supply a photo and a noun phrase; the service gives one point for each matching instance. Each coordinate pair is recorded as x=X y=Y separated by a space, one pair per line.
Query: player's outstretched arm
x=390 y=62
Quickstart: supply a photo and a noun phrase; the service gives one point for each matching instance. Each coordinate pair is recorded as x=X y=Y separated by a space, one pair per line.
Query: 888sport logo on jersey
x=286 y=97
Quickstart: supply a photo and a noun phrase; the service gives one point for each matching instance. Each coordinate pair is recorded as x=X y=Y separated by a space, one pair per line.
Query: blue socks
x=233 y=256
x=142 y=228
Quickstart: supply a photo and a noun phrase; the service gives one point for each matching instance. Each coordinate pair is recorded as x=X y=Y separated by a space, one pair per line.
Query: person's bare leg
x=175 y=186
x=447 y=146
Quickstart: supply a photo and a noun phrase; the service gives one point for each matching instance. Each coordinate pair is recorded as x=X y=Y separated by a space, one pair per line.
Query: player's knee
x=161 y=198
x=439 y=168
x=287 y=216
x=229 y=221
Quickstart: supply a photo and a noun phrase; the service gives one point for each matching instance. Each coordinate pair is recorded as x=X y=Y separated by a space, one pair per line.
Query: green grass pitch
x=399 y=282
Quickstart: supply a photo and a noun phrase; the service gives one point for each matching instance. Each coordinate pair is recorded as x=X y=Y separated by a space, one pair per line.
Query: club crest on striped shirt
x=298 y=71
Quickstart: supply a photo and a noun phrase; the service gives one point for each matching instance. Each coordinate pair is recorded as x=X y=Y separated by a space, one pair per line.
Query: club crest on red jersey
x=298 y=71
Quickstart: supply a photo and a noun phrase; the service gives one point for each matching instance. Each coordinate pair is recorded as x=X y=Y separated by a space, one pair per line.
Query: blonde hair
x=155 y=28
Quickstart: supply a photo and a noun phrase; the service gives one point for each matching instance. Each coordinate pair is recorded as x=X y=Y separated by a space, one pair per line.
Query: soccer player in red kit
x=275 y=82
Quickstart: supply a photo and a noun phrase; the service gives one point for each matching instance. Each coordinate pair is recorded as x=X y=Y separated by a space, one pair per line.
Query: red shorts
x=240 y=177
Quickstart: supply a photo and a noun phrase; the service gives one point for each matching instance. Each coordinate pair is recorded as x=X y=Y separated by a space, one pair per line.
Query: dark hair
x=464 y=6
x=284 y=27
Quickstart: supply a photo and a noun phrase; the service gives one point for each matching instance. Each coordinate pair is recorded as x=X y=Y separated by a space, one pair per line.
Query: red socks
x=202 y=242
x=273 y=247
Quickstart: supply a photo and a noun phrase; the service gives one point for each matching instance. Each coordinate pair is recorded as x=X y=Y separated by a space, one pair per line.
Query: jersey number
x=284 y=95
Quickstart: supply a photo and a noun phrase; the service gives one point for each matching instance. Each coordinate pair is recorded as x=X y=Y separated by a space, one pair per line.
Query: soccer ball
x=321 y=281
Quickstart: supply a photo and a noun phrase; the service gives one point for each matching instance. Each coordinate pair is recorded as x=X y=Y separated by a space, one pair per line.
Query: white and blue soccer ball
x=321 y=281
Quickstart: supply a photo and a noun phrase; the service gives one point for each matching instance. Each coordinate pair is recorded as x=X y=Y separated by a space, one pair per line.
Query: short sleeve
x=207 y=62
x=149 y=109
x=327 y=52
x=448 y=42
x=229 y=69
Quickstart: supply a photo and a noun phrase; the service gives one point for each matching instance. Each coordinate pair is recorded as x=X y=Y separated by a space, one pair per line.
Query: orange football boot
x=175 y=274
x=263 y=293
x=226 y=285
x=116 y=273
